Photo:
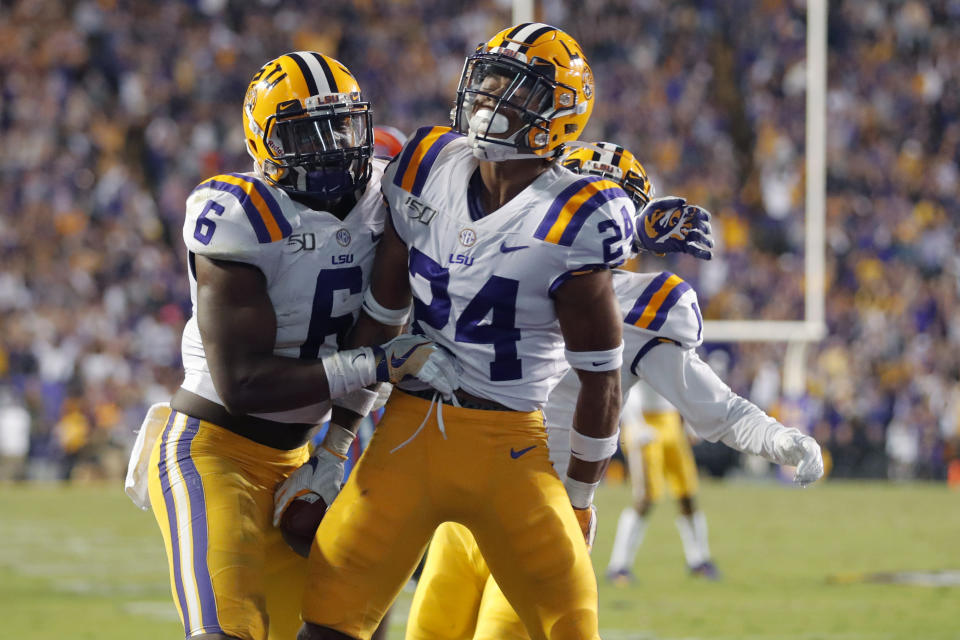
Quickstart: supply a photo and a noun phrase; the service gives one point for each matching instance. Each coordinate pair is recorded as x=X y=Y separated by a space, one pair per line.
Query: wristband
x=606 y=360
x=389 y=317
x=592 y=449
x=580 y=493
x=338 y=441
x=349 y=370
x=360 y=401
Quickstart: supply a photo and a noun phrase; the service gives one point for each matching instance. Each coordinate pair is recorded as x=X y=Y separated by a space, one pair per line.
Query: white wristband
x=389 y=317
x=349 y=370
x=338 y=440
x=580 y=493
x=360 y=401
x=592 y=449
x=607 y=360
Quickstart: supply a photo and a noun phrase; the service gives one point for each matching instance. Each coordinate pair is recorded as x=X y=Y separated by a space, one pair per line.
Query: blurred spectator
x=122 y=107
x=14 y=436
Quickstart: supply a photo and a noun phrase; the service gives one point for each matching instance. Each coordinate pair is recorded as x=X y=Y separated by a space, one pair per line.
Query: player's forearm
x=272 y=383
x=596 y=418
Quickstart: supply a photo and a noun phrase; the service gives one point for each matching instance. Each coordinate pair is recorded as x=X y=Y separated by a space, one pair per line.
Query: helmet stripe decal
x=327 y=73
x=516 y=30
x=306 y=72
x=533 y=37
x=521 y=40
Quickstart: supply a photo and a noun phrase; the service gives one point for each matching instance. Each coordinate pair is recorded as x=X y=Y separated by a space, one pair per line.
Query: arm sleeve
x=711 y=408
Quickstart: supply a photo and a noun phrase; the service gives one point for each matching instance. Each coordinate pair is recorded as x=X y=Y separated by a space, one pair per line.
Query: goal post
x=797 y=334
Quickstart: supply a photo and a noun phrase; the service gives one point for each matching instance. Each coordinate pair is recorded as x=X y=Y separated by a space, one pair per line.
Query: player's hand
x=413 y=356
x=670 y=225
x=793 y=448
x=320 y=477
x=588 y=524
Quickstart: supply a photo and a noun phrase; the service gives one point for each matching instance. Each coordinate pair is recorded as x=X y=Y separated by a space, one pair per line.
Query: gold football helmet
x=307 y=126
x=611 y=162
x=524 y=94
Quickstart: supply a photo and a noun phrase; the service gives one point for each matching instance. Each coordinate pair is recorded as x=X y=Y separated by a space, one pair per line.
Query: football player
x=278 y=261
x=658 y=452
x=507 y=256
x=456 y=597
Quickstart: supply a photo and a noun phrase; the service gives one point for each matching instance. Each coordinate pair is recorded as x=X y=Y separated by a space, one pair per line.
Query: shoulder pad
x=231 y=215
x=409 y=169
x=593 y=217
x=659 y=305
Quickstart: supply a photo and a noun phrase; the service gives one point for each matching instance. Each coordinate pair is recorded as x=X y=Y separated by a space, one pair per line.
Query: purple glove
x=670 y=225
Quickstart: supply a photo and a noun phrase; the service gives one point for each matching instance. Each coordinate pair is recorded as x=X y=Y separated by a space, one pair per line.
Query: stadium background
x=111 y=111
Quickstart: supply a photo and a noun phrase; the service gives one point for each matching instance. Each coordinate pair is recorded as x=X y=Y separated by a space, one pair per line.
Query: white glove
x=790 y=447
x=320 y=477
x=413 y=356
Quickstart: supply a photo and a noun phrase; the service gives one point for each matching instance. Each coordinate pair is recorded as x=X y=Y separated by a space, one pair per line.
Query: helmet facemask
x=321 y=147
x=505 y=106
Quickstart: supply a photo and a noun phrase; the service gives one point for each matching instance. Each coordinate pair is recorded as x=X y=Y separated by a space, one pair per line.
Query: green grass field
x=83 y=562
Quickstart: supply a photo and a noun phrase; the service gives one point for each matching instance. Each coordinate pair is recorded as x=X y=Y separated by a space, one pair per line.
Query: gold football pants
x=489 y=471
x=212 y=494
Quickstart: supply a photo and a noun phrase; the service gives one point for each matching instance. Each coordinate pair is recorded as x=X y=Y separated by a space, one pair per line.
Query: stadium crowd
x=122 y=106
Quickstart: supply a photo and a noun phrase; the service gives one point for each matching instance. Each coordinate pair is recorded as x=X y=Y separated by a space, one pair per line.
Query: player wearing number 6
x=507 y=258
x=278 y=261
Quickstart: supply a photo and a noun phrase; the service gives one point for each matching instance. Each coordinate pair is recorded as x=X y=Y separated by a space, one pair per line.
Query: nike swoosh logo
x=357 y=357
x=505 y=249
x=396 y=362
x=375 y=237
x=597 y=364
x=516 y=454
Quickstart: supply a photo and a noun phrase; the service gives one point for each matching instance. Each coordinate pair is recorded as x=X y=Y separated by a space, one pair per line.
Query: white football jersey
x=315 y=264
x=483 y=285
x=656 y=307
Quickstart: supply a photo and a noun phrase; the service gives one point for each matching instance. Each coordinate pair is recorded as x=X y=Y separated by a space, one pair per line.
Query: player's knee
x=687 y=505
x=310 y=631
x=643 y=507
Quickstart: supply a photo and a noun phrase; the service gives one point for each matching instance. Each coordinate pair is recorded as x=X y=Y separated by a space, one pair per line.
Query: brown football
x=299 y=523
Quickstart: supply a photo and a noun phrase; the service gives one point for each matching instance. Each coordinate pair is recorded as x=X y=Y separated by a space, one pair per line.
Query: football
x=299 y=523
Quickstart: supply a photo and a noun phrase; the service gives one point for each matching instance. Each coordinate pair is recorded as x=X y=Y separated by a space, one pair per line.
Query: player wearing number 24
x=278 y=261
x=533 y=287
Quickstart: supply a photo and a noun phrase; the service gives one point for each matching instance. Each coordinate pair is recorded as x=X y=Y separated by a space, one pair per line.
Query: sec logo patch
x=468 y=237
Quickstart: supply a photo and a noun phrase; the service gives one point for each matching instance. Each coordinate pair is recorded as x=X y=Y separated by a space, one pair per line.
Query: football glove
x=587 y=518
x=790 y=447
x=412 y=356
x=670 y=225
x=319 y=477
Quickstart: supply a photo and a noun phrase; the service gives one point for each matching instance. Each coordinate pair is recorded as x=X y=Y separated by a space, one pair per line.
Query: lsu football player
x=507 y=257
x=658 y=452
x=456 y=596
x=278 y=261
